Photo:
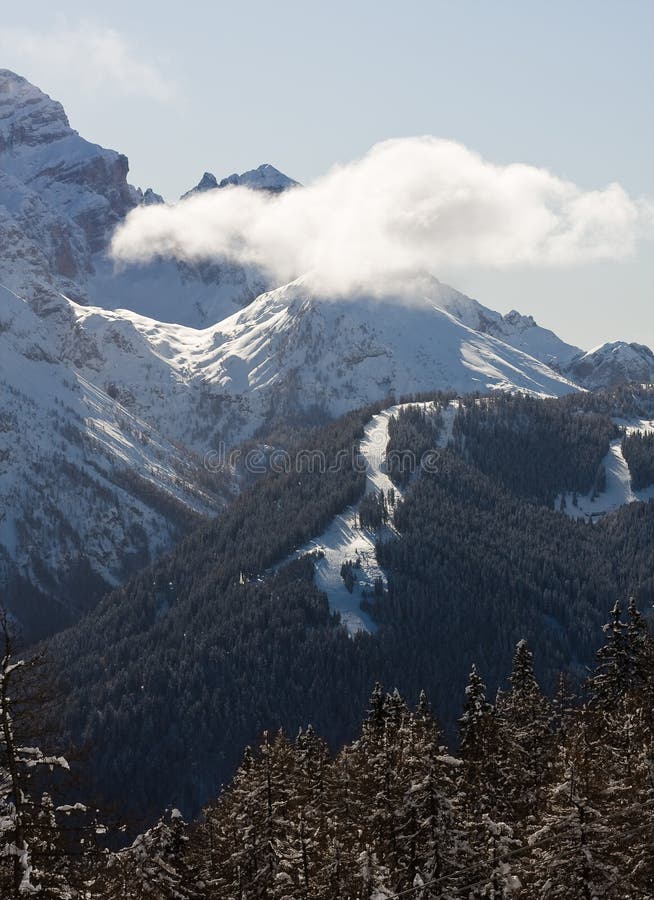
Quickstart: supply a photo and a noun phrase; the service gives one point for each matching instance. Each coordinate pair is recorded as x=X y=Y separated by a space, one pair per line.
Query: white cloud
x=409 y=204
x=94 y=58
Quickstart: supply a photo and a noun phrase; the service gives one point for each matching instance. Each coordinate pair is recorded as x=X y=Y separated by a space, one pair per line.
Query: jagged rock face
x=60 y=199
x=208 y=182
x=263 y=178
x=613 y=364
x=28 y=117
x=41 y=251
x=65 y=194
x=515 y=329
x=152 y=199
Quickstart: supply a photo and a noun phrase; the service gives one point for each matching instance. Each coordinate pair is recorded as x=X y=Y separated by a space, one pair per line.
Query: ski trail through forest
x=345 y=540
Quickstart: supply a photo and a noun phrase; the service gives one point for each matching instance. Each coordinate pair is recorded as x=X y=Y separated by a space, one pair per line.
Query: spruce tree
x=157 y=866
x=481 y=776
x=525 y=717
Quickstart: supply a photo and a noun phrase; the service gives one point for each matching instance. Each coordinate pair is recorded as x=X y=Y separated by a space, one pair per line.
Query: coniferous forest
x=218 y=643
x=638 y=450
x=545 y=797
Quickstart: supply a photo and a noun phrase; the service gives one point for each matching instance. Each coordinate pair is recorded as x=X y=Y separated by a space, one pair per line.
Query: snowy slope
x=88 y=491
x=295 y=348
x=619 y=490
x=521 y=332
x=196 y=295
x=290 y=352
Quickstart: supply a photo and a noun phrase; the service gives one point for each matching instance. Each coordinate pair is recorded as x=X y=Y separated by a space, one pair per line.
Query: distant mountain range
x=115 y=382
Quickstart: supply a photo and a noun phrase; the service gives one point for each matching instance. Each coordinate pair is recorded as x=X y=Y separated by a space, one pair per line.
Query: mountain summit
x=613 y=363
x=60 y=199
x=28 y=117
x=60 y=196
x=263 y=178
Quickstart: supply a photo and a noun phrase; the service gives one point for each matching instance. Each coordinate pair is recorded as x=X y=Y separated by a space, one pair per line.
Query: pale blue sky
x=568 y=86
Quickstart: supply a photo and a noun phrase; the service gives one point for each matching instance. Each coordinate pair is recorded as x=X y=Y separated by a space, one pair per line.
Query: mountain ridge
x=192 y=357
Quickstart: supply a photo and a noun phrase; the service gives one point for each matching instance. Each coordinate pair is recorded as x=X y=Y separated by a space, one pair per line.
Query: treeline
x=622 y=401
x=545 y=797
x=638 y=450
x=537 y=448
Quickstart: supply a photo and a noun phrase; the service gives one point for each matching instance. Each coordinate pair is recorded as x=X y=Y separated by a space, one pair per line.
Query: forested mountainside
x=537 y=450
x=638 y=450
x=218 y=643
x=547 y=797
x=208 y=643
x=476 y=566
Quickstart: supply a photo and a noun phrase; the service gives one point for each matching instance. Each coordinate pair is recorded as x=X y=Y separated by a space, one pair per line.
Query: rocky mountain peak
x=517 y=320
x=150 y=198
x=61 y=195
x=208 y=182
x=264 y=178
x=613 y=363
x=28 y=117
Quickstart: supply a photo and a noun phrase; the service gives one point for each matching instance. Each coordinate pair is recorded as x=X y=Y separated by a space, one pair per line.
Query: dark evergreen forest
x=638 y=450
x=545 y=797
x=171 y=676
x=537 y=448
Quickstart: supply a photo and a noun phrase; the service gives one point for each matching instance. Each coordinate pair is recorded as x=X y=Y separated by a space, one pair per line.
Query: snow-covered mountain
x=521 y=332
x=612 y=364
x=97 y=406
x=60 y=195
x=291 y=351
x=60 y=198
x=263 y=178
x=88 y=491
x=293 y=348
